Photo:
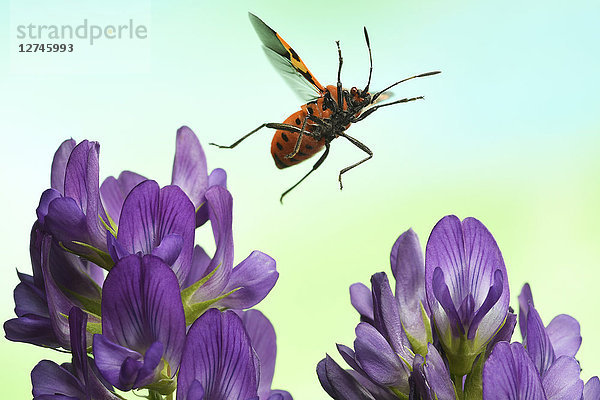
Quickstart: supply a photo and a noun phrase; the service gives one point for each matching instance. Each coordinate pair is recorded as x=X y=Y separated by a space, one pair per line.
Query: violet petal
x=263 y=339
x=59 y=165
x=561 y=381
x=378 y=359
x=525 y=298
x=113 y=192
x=591 y=390
x=387 y=316
x=255 y=276
x=141 y=305
x=564 y=333
x=189 y=166
x=218 y=354
x=538 y=343
x=509 y=374
x=362 y=299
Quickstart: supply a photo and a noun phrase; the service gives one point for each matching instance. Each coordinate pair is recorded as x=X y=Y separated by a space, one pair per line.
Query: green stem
x=458 y=386
x=154 y=395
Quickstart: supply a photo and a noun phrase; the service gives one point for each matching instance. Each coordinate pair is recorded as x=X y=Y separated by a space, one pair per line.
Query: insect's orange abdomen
x=284 y=141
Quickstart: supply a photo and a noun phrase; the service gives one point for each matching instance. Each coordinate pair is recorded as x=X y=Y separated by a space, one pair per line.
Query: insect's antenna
x=403 y=80
x=370 y=59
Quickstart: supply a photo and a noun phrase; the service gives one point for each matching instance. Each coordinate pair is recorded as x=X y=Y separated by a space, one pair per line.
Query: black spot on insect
x=279 y=146
x=324 y=106
x=297 y=121
x=309 y=147
x=310 y=110
x=284 y=137
x=301 y=154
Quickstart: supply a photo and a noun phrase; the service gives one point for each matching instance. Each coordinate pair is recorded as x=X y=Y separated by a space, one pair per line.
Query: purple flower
x=563 y=331
x=71 y=210
x=142 y=324
x=545 y=367
x=510 y=373
x=214 y=282
x=77 y=380
x=467 y=289
x=189 y=173
x=159 y=222
x=218 y=361
x=406 y=313
x=60 y=281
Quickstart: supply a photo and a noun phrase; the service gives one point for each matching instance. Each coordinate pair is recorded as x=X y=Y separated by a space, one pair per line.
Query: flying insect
x=328 y=112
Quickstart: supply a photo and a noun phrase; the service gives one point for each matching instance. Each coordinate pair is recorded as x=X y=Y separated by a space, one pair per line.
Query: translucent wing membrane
x=287 y=62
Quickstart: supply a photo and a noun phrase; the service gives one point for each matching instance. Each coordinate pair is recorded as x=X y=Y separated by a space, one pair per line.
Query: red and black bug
x=328 y=113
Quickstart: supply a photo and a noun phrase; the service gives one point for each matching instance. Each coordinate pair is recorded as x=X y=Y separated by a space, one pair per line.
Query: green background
x=507 y=134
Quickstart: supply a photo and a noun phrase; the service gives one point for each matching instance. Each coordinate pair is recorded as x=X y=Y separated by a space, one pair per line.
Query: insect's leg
x=339 y=76
x=271 y=125
x=360 y=146
x=317 y=165
x=373 y=109
x=299 y=140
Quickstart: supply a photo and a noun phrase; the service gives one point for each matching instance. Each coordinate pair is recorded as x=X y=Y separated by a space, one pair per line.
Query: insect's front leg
x=271 y=125
x=361 y=146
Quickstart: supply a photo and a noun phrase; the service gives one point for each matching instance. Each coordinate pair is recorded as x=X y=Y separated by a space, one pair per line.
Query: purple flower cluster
x=116 y=274
x=445 y=332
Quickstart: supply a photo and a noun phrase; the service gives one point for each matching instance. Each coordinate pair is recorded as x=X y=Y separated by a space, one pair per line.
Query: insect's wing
x=287 y=62
x=383 y=97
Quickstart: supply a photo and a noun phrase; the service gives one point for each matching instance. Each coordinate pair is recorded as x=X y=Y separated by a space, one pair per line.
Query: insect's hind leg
x=271 y=125
x=299 y=140
x=317 y=165
x=361 y=146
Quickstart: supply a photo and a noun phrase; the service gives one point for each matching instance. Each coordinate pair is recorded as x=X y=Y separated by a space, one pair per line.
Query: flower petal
x=408 y=268
x=468 y=256
x=525 y=298
x=338 y=383
x=263 y=339
x=591 y=390
x=220 y=206
x=117 y=364
x=189 y=166
x=219 y=356
x=218 y=177
x=82 y=184
x=564 y=333
x=141 y=305
x=59 y=165
x=114 y=192
x=255 y=276
x=437 y=375
x=150 y=214
x=387 y=316
x=538 y=343
x=509 y=374
x=561 y=381
x=362 y=300
x=378 y=359
x=48 y=378
x=31 y=328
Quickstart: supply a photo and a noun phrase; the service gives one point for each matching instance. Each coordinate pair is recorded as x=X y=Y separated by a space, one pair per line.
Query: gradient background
x=508 y=134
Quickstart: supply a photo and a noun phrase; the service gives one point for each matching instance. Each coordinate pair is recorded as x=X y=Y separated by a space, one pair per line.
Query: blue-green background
x=509 y=133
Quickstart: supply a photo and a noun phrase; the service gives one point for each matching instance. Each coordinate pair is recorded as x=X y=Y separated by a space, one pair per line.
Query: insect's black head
x=359 y=97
